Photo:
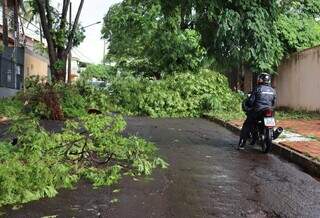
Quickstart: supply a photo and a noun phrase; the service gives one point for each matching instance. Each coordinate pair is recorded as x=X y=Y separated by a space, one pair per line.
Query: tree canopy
x=176 y=35
x=60 y=35
x=144 y=41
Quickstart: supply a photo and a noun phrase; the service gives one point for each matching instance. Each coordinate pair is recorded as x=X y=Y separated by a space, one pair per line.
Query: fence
x=12 y=68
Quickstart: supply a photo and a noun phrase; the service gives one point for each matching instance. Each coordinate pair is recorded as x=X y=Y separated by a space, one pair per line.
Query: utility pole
x=16 y=22
x=41 y=37
x=70 y=55
x=40 y=28
x=104 y=52
x=16 y=69
x=5 y=23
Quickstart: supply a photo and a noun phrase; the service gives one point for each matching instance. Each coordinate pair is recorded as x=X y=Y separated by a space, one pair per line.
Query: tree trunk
x=51 y=98
x=58 y=68
x=5 y=23
x=57 y=54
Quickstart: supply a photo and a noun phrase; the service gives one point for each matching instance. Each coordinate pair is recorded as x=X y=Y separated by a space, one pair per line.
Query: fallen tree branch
x=97 y=161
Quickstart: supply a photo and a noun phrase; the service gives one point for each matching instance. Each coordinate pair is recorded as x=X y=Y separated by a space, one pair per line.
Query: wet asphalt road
x=206 y=178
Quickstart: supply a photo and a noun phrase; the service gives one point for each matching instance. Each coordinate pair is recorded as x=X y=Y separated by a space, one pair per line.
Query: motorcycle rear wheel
x=267 y=141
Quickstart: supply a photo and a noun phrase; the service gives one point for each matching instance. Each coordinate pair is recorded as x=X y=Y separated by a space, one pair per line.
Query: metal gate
x=12 y=68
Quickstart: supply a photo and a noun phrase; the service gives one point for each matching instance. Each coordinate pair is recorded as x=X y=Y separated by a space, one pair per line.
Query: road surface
x=206 y=178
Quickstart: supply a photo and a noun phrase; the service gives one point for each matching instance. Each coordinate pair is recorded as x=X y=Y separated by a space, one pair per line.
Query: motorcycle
x=264 y=130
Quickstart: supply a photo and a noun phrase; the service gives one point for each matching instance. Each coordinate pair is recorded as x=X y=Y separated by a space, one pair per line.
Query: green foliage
x=156 y=38
x=123 y=25
x=74 y=100
x=61 y=35
x=175 y=51
x=92 y=148
x=72 y=103
x=10 y=107
x=145 y=43
x=27 y=171
x=101 y=177
x=247 y=35
x=1 y=47
x=182 y=95
x=59 y=65
x=227 y=115
x=40 y=48
x=99 y=71
x=125 y=93
x=298 y=32
x=79 y=36
x=289 y=114
x=94 y=97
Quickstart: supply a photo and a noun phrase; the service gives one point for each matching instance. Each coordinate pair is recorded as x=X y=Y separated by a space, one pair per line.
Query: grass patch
x=280 y=115
x=227 y=116
x=288 y=114
x=10 y=107
x=313 y=137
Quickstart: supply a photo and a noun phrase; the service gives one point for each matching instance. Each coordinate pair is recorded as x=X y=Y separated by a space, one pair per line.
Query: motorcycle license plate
x=269 y=121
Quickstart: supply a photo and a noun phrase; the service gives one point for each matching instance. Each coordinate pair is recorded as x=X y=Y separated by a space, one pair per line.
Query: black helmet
x=264 y=78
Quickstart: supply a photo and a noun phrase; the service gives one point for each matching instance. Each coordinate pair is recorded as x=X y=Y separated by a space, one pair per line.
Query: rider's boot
x=253 y=142
x=253 y=139
x=242 y=143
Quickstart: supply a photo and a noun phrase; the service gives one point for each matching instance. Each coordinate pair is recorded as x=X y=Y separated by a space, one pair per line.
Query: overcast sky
x=91 y=49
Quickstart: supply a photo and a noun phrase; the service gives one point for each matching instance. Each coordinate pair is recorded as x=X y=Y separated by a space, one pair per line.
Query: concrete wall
x=35 y=65
x=298 y=81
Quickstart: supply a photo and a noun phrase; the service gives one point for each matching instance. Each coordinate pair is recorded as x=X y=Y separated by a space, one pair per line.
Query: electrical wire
x=76 y=50
x=11 y=16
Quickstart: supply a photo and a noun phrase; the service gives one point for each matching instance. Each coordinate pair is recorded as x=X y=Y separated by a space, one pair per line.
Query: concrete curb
x=3 y=120
x=306 y=163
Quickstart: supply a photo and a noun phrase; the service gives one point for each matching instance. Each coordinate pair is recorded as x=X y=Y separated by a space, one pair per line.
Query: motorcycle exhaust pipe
x=277 y=132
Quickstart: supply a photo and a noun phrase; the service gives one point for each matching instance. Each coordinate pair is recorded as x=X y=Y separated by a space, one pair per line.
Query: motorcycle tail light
x=269 y=113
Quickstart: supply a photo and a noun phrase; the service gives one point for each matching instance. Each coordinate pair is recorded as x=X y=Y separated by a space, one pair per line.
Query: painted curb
x=306 y=163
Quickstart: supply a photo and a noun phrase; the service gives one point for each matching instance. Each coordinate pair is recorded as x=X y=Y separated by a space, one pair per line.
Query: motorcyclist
x=261 y=98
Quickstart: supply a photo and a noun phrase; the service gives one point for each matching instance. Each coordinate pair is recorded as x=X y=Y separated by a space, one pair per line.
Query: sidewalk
x=6 y=92
x=302 y=136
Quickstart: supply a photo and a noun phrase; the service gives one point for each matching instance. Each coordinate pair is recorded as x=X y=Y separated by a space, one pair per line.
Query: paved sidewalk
x=309 y=128
x=302 y=136
x=6 y=92
x=311 y=148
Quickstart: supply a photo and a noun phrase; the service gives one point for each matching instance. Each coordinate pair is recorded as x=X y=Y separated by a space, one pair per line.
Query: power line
x=24 y=25
x=81 y=54
x=11 y=16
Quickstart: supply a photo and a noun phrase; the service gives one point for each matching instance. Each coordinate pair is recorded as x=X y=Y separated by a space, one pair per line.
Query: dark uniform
x=262 y=97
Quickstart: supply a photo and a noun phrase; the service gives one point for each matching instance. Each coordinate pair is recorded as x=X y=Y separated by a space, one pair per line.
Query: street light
x=92 y=24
